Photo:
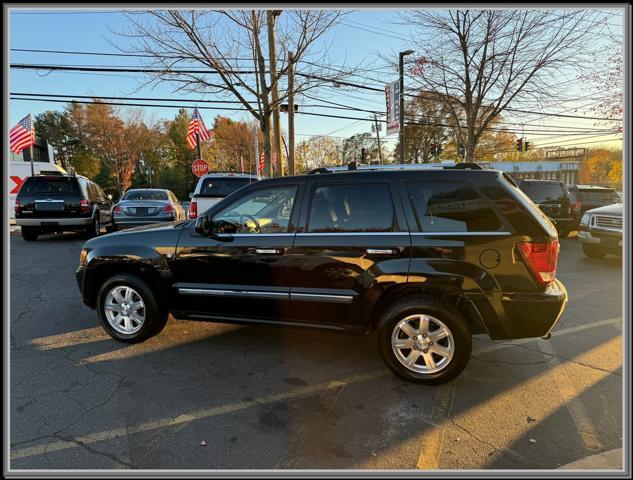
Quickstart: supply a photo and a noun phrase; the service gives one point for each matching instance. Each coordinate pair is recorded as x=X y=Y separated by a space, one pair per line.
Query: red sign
x=18 y=183
x=199 y=167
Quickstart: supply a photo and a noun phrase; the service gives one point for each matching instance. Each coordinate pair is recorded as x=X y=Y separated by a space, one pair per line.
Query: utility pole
x=401 y=71
x=31 y=146
x=378 y=138
x=272 y=53
x=291 y=114
x=256 y=129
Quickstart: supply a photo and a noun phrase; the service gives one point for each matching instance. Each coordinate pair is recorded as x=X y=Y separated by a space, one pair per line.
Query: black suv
x=553 y=199
x=587 y=197
x=59 y=203
x=423 y=258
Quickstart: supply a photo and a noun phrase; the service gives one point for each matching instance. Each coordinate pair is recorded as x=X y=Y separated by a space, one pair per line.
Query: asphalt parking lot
x=211 y=396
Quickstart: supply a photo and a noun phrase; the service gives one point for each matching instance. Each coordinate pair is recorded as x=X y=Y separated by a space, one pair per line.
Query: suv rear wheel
x=29 y=233
x=94 y=230
x=128 y=309
x=425 y=340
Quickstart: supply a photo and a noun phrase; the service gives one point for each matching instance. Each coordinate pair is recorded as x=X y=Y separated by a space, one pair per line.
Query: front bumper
x=80 y=276
x=521 y=315
x=606 y=240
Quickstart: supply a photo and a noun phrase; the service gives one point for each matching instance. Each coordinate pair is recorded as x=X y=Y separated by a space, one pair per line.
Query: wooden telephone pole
x=291 y=114
x=272 y=54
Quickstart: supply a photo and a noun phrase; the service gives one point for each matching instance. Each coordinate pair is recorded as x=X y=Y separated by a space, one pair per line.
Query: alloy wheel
x=124 y=309
x=423 y=343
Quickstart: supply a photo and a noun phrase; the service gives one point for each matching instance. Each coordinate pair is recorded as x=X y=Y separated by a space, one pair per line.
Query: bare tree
x=230 y=47
x=484 y=61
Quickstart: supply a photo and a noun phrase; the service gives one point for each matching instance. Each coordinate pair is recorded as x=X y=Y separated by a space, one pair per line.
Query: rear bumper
x=129 y=222
x=53 y=222
x=521 y=315
x=565 y=223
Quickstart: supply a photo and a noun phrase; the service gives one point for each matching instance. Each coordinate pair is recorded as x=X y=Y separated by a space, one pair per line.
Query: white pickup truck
x=213 y=187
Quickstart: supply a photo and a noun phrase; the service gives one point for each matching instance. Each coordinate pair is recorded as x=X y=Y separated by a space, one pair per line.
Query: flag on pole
x=22 y=135
x=196 y=125
x=262 y=162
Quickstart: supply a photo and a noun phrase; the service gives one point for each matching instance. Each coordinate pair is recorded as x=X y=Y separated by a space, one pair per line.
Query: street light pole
x=401 y=71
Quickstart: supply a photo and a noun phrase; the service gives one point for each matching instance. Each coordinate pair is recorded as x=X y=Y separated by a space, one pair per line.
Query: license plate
x=140 y=210
x=50 y=207
x=50 y=224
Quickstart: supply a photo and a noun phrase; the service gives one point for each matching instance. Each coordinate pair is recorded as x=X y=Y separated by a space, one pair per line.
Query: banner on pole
x=392 y=97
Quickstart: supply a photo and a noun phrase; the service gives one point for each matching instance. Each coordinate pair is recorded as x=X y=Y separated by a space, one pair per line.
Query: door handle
x=381 y=251
x=269 y=251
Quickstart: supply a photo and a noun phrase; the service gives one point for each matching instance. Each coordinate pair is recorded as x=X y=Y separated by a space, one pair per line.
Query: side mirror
x=203 y=225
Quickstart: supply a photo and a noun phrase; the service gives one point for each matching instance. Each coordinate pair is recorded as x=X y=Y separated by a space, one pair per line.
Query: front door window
x=263 y=211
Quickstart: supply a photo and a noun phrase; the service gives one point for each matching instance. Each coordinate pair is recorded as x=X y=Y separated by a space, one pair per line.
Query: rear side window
x=597 y=196
x=51 y=187
x=222 y=187
x=365 y=207
x=542 y=192
x=451 y=207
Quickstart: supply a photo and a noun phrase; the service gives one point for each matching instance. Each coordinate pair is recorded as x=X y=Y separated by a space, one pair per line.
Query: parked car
x=423 y=258
x=60 y=203
x=142 y=206
x=600 y=231
x=213 y=187
x=552 y=198
x=587 y=197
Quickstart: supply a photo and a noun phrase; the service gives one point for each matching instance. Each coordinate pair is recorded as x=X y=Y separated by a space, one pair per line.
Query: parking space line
x=191 y=416
x=429 y=457
x=582 y=421
x=556 y=333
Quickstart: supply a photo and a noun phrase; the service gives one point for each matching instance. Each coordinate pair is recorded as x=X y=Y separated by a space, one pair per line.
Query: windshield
x=145 y=195
x=540 y=192
x=50 y=186
x=222 y=187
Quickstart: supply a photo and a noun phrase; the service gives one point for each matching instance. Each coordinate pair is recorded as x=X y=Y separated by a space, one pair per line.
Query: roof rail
x=466 y=166
x=319 y=170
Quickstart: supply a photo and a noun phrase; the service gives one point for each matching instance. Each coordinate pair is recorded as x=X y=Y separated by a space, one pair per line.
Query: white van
x=19 y=171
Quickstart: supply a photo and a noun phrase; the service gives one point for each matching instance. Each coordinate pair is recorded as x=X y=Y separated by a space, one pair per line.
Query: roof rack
x=399 y=166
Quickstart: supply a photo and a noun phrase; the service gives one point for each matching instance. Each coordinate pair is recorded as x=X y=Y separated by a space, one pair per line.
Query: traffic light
x=527 y=146
x=462 y=151
x=519 y=145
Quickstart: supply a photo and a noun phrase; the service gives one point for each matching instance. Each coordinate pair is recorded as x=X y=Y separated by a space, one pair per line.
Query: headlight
x=83 y=257
x=586 y=218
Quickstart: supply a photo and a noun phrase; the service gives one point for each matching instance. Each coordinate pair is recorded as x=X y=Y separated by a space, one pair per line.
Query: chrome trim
x=229 y=235
x=460 y=234
x=268 y=251
x=381 y=251
x=347 y=234
x=232 y=293
x=316 y=297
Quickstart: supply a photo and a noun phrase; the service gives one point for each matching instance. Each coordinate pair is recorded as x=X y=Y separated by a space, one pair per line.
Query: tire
x=153 y=312
x=593 y=252
x=94 y=230
x=459 y=341
x=29 y=233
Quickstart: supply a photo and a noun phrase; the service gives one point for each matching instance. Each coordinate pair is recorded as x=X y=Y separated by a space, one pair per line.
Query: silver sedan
x=142 y=206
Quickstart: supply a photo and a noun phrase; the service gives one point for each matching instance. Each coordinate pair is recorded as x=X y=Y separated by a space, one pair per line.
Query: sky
x=356 y=41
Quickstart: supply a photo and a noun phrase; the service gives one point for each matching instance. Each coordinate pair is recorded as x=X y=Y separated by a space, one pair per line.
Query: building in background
x=42 y=152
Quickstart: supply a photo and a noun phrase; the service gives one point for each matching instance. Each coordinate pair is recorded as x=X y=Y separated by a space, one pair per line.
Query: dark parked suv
x=60 y=203
x=553 y=199
x=423 y=258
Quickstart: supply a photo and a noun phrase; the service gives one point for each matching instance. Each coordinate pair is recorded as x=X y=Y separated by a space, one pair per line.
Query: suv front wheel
x=128 y=309
x=425 y=340
x=29 y=233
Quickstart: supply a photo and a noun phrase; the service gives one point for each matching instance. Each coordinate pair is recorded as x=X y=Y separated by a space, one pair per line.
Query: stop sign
x=199 y=167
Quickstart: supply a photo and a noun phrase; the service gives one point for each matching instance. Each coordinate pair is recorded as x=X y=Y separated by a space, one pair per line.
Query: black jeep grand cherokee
x=424 y=258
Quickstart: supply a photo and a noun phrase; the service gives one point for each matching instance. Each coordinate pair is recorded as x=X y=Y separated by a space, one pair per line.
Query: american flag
x=262 y=162
x=197 y=125
x=22 y=135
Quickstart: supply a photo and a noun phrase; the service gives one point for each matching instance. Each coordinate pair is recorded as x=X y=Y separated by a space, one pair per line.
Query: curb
x=611 y=460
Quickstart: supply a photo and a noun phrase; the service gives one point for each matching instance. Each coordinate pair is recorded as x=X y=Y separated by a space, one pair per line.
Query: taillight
x=168 y=208
x=117 y=210
x=541 y=258
x=576 y=206
x=193 y=209
x=84 y=206
x=18 y=207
